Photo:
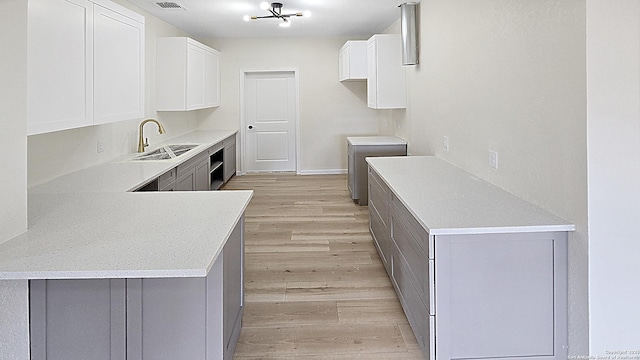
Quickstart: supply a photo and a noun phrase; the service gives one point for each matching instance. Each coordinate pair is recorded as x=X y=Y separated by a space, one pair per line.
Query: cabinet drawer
x=190 y=164
x=379 y=196
x=414 y=228
x=416 y=311
x=217 y=147
x=416 y=260
x=228 y=141
x=167 y=178
x=380 y=234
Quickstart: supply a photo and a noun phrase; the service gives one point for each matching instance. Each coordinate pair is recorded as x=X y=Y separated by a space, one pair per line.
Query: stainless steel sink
x=165 y=153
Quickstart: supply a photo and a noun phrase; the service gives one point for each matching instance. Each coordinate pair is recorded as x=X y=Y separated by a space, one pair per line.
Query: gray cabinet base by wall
x=470 y=296
x=150 y=319
x=357 y=166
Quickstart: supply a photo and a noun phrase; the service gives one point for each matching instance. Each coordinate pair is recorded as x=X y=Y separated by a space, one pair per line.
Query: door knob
x=250 y=127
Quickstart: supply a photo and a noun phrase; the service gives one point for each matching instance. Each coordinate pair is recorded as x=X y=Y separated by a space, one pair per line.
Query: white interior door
x=270 y=107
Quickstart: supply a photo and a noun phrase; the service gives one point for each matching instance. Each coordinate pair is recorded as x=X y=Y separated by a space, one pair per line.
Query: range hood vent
x=170 y=5
x=409 y=31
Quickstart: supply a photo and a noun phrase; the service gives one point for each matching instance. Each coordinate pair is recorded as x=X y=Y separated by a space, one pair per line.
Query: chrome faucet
x=142 y=144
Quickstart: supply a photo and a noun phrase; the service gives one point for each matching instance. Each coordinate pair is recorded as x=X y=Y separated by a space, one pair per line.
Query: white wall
x=329 y=110
x=509 y=76
x=13 y=115
x=55 y=154
x=613 y=66
x=14 y=319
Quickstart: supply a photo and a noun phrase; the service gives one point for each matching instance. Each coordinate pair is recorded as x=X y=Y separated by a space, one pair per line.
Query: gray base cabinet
x=150 y=319
x=499 y=295
x=359 y=148
x=229 y=162
x=208 y=170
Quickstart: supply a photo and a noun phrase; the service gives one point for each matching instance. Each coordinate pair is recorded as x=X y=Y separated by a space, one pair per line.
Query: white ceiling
x=329 y=18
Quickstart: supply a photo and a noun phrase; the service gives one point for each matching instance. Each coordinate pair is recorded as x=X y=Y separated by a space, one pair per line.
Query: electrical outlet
x=493 y=159
x=445 y=143
x=99 y=147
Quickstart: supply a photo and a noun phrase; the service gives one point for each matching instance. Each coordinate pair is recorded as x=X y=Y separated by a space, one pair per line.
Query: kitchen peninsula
x=116 y=274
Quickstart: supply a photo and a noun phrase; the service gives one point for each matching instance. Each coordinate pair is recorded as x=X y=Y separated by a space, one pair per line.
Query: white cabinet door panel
x=195 y=77
x=212 y=80
x=118 y=67
x=386 y=82
x=188 y=75
x=60 y=65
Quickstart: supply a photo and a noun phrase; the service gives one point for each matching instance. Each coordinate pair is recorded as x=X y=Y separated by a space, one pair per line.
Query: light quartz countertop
x=124 y=174
x=447 y=200
x=375 y=140
x=102 y=231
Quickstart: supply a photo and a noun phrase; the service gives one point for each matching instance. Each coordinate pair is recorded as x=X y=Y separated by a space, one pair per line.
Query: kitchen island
x=116 y=274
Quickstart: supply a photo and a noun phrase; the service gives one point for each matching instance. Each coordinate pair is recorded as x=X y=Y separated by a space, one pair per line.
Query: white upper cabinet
x=118 y=66
x=353 y=60
x=59 y=65
x=84 y=66
x=188 y=75
x=386 y=78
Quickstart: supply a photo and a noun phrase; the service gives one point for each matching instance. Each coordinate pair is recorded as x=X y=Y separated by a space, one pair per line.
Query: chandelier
x=275 y=10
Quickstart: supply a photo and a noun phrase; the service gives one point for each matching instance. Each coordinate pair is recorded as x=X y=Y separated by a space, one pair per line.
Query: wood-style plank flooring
x=315 y=286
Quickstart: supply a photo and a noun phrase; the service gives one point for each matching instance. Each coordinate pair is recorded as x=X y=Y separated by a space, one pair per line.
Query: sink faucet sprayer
x=142 y=144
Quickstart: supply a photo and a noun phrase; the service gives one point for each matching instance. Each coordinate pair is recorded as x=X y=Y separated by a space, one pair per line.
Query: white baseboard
x=323 y=172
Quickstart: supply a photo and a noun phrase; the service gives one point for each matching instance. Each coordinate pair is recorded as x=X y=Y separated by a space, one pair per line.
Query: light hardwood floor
x=315 y=286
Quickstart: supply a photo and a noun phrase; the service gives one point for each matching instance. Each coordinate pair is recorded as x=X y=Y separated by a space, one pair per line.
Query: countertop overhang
x=111 y=233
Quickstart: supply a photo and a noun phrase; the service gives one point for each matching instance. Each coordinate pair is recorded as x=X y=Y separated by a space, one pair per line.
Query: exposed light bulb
x=246 y=18
x=265 y=5
x=306 y=13
x=285 y=24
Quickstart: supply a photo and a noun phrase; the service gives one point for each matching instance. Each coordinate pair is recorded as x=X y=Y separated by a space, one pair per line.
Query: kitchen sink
x=165 y=153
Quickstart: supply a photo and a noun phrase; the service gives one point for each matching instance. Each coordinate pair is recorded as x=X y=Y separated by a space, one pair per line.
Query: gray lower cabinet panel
x=501 y=296
x=474 y=296
x=357 y=166
x=171 y=324
x=142 y=319
x=229 y=163
x=233 y=291
x=379 y=218
x=77 y=319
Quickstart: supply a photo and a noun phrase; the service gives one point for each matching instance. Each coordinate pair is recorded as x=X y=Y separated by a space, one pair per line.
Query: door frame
x=243 y=120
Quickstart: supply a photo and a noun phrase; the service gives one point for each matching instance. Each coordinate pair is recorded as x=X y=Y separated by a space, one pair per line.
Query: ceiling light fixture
x=275 y=9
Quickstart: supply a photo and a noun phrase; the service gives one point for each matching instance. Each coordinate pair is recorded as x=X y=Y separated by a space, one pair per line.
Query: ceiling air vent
x=170 y=5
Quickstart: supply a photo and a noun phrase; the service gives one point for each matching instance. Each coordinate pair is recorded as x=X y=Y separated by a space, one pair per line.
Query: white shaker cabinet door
x=196 y=61
x=386 y=78
x=212 y=79
x=60 y=65
x=118 y=67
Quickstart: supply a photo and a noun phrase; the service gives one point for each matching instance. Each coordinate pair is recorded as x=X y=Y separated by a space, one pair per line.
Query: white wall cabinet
x=386 y=78
x=118 y=66
x=85 y=64
x=353 y=60
x=188 y=75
